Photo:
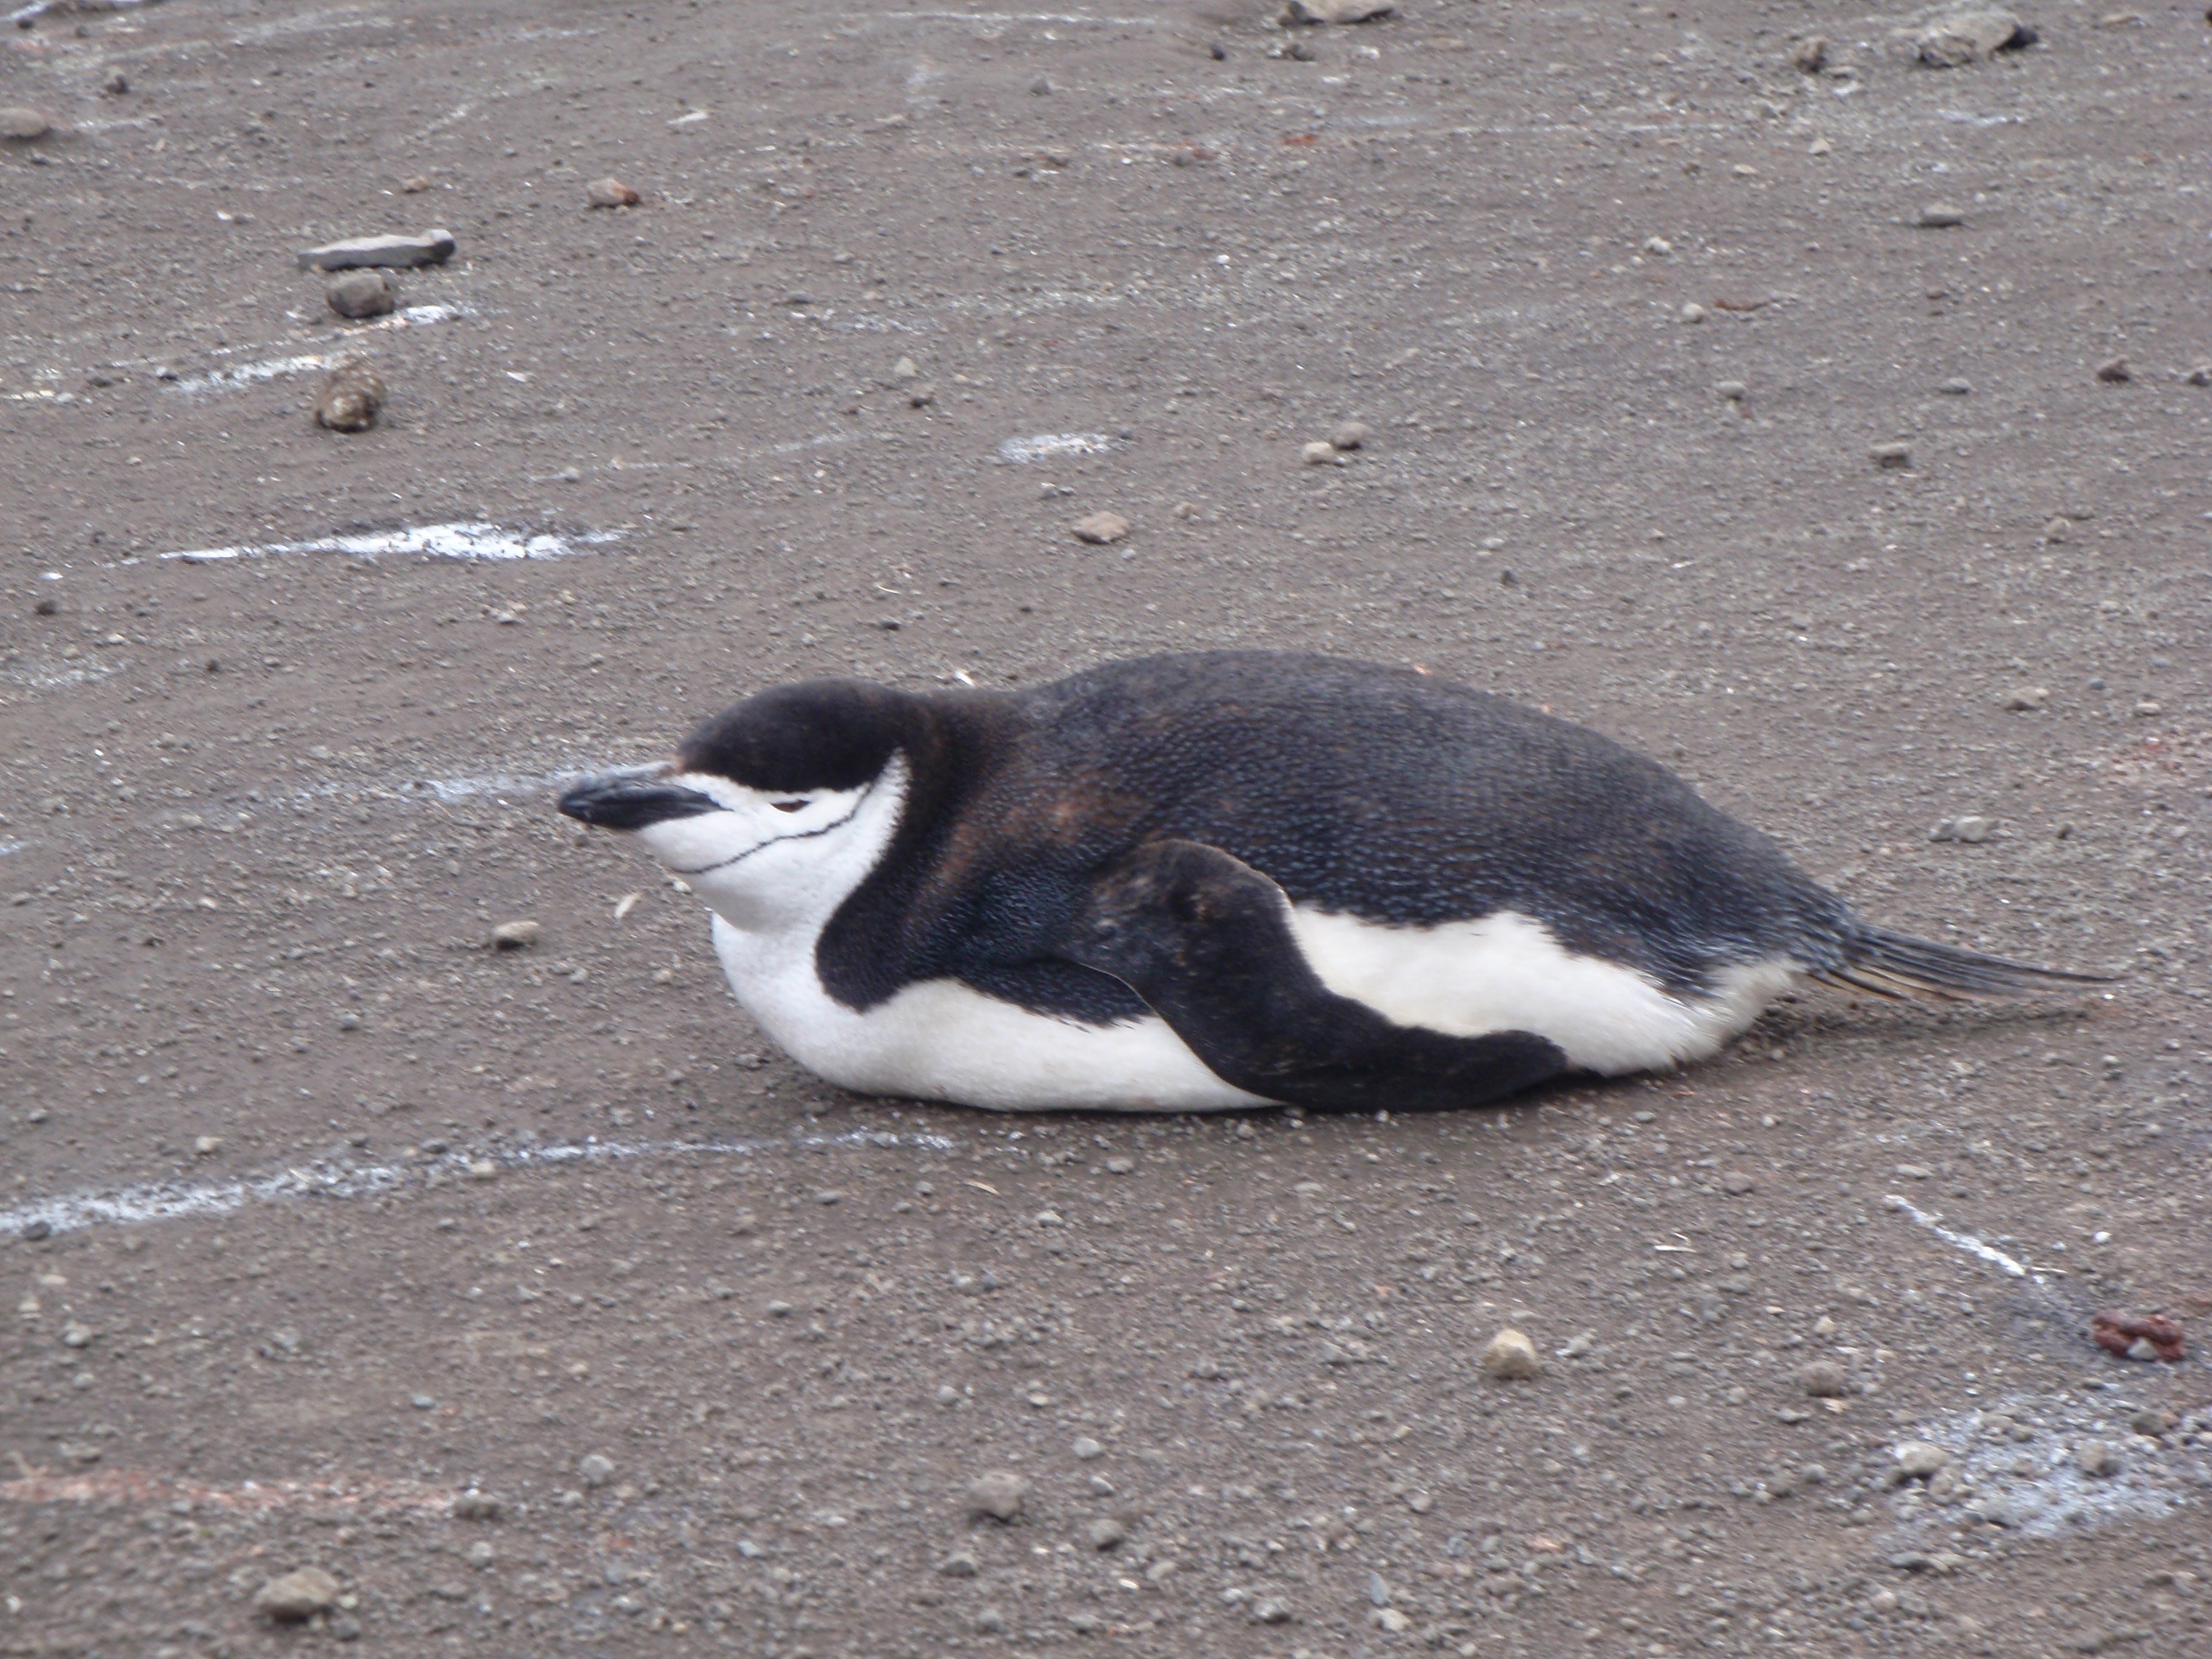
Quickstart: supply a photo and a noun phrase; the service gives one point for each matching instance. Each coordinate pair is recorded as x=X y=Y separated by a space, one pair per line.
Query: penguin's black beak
x=623 y=800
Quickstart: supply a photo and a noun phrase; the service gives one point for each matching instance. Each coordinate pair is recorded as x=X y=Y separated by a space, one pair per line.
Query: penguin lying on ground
x=1186 y=883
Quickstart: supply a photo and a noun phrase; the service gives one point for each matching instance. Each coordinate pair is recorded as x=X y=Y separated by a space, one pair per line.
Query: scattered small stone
x=474 y=1505
x=1120 y=1165
x=1956 y=388
x=1693 y=312
x=2098 y=1458
x=1940 y=216
x=516 y=935
x=958 y=1565
x=432 y=247
x=297 y=1596
x=2202 y=374
x=998 y=1494
x=611 y=193
x=1895 y=457
x=990 y=1621
x=1919 y=1459
x=1105 y=1533
x=75 y=1335
x=1578 y=1346
x=1510 y=1355
x=1269 y=1611
x=1318 y=453
x=1101 y=529
x=2152 y=1421
x=921 y=395
x=414 y=186
x=2029 y=699
x=1041 y=88
x=2114 y=371
x=117 y=83
x=1657 y=246
x=363 y=293
x=1810 y=55
x=32 y=1231
x=1732 y=391
x=905 y=369
x=1349 y=435
x=594 y=1470
x=1336 y=11
x=351 y=399
x=1824 y=1379
x=1087 y=1449
x=1737 y=1182
x=21 y=125
x=1968 y=37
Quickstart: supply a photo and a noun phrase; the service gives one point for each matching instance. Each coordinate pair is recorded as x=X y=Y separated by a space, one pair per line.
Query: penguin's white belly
x=937 y=1039
x=1507 y=973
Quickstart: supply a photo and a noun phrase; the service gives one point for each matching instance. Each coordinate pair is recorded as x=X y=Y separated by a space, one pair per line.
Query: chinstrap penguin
x=1193 y=881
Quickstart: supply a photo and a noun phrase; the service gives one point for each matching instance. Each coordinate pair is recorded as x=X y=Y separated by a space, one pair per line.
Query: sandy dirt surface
x=539 y=1302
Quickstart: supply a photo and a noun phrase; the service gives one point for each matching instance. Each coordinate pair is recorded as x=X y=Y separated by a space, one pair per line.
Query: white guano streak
x=1965 y=1242
x=176 y=1200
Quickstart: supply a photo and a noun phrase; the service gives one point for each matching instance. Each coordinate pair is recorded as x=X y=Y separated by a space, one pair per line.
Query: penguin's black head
x=773 y=805
x=822 y=734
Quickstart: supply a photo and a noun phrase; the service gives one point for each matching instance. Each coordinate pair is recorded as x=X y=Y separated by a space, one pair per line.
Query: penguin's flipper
x=1206 y=940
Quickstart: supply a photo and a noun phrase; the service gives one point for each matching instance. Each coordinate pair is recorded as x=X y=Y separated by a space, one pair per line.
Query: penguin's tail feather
x=1898 y=965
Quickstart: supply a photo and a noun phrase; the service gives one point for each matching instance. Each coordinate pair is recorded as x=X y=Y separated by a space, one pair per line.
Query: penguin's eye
x=790 y=806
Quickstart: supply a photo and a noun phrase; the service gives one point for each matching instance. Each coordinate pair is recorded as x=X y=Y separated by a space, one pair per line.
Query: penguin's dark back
x=1361 y=789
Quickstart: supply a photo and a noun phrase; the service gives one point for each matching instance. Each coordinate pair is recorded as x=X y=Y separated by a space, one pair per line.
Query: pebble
x=1693 y=312
x=1087 y=1449
x=2030 y=699
x=432 y=247
x=610 y=193
x=2097 y=1457
x=1270 y=1612
x=1967 y=37
x=1897 y=458
x=350 y=400
x=998 y=1494
x=1824 y=1379
x=1921 y=1458
x=75 y=1335
x=22 y=124
x=2151 y=1420
x=1105 y=1533
x=1336 y=11
x=1318 y=453
x=990 y=1621
x=2114 y=371
x=516 y=935
x=1657 y=246
x=906 y=369
x=2200 y=375
x=1940 y=216
x=117 y=83
x=1736 y=1182
x=1349 y=435
x=1732 y=391
x=415 y=186
x=473 y=1505
x=1970 y=830
x=1101 y=529
x=1510 y=1355
x=594 y=1470
x=363 y=293
x=958 y=1565
x=1810 y=56
x=297 y=1596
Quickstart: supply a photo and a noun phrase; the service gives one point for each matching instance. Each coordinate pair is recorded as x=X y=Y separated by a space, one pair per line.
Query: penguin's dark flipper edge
x=1206 y=940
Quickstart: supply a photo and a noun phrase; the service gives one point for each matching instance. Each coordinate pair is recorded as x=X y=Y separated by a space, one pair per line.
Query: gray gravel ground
x=533 y=1298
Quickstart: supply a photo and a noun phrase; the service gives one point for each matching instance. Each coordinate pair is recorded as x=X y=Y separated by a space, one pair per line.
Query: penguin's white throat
x=779 y=862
